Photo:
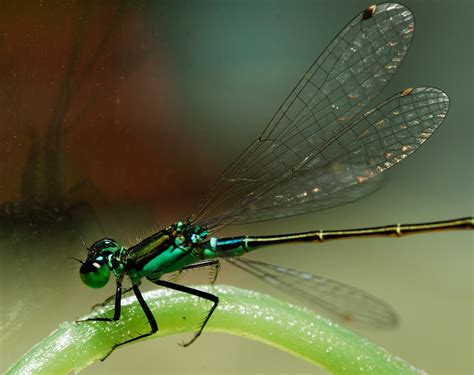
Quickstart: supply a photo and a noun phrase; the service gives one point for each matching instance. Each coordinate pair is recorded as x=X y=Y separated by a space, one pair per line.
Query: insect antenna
x=80 y=261
x=84 y=243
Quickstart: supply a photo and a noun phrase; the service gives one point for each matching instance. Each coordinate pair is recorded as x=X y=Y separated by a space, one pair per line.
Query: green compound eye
x=95 y=274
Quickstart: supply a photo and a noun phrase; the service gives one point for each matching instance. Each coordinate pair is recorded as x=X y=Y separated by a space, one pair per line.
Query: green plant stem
x=74 y=346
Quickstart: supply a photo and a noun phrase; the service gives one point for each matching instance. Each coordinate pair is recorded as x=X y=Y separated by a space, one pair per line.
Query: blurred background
x=116 y=116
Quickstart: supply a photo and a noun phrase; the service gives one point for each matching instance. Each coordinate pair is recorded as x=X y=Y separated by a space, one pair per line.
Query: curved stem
x=257 y=316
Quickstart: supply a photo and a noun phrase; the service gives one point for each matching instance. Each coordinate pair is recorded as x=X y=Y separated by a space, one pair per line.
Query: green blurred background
x=173 y=95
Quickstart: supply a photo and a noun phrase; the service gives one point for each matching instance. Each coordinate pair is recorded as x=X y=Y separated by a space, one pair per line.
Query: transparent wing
x=346 y=167
x=350 y=72
x=327 y=187
x=344 y=301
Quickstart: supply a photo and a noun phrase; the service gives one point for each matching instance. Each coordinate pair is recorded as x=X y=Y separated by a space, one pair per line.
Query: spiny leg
x=110 y=299
x=214 y=264
x=149 y=316
x=175 y=277
x=117 y=307
x=215 y=268
x=195 y=292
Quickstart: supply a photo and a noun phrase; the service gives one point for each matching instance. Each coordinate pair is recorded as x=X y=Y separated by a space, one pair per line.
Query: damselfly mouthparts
x=322 y=148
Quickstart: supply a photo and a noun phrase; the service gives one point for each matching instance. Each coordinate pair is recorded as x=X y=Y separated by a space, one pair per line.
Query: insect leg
x=195 y=292
x=117 y=308
x=149 y=316
x=216 y=267
x=110 y=299
x=214 y=264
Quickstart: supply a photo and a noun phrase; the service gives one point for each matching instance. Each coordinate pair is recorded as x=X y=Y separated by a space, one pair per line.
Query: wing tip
x=418 y=90
x=369 y=12
x=392 y=8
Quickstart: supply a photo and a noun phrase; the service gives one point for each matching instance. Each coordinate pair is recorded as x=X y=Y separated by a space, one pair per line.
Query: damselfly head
x=95 y=271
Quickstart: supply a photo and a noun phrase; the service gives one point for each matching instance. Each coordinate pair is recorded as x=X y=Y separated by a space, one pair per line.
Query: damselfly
x=322 y=148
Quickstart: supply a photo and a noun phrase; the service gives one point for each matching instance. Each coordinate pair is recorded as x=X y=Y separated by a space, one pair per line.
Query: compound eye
x=95 y=274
